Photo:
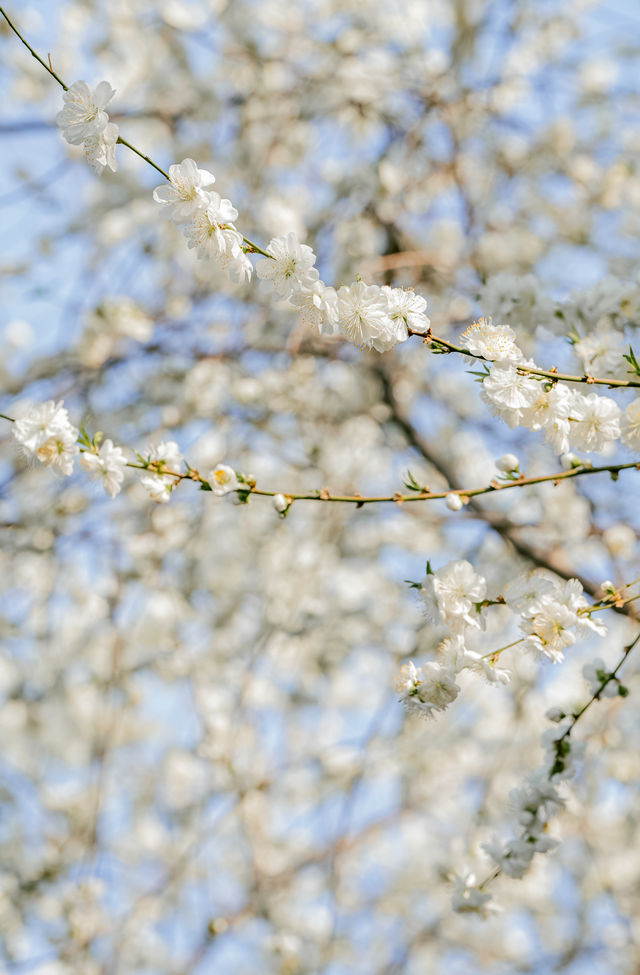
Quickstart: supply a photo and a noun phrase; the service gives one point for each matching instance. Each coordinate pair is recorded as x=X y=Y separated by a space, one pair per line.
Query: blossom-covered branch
x=539 y=799
x=551 y=615
x=440 y=345
x=45 y=433
x=370 y=316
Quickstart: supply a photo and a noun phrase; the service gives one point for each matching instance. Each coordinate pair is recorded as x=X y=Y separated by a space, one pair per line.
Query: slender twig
x=44 y=64
x=249 y=487
x=360 y=500
x=123 y=142
x=443 y=345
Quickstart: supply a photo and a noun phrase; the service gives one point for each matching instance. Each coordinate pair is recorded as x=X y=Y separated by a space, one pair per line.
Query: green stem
x=254 y=249
x=46 y=66
x=162 y=172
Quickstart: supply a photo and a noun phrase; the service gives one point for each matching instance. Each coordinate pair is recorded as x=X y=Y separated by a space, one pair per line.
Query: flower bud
x=570 y=460
x=454 y=502
x=280 y=503
x=508 y=464
x=555 y=714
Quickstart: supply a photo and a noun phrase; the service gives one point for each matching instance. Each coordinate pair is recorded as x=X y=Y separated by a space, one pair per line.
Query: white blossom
x=234 y=260
x=165 y=456
x=107 y=464
x=527 y=591
x=537 y=801
x=318 y=307
x=468 y=898
x=426 y=689
x=185 y=193
x=595 y=421
x=291 y=269
x=454 y=502
x=550 y=412
x=552 y=611
x=570 y=594
x=407 y=310
x=549 y=632
x=631 y=425
x=83 y=116
x=212 y=232
x=45 y=433
x=508 y=393
x=514 y=858
x=451 y=595
x=100 y=149
x=493 y=342
x=363 y=317
x=601 y=353
x=223 y=480
x=211 y=229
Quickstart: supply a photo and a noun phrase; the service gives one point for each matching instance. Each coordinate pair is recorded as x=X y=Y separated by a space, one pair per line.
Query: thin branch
x=123 y=142
x=34 y=54
x=443 y=345
x=248 y=488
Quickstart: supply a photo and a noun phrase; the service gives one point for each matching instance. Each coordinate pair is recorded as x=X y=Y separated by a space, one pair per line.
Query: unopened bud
x=555 y=714
x=280 y=503
x=570 y=460
x=454 y=502
x=508 y=463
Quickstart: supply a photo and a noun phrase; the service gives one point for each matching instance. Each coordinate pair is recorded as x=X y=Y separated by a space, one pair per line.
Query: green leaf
x=480 y=375
x=412 y=485
x=633 y=362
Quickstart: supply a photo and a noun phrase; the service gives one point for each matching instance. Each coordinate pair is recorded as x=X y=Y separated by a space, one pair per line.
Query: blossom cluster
x=538 y=800
x=375 y=317
x=45 y=433
x=206 y=218
x=551 y=612
x=569 y=418
x=84 y=122
x=370 y=316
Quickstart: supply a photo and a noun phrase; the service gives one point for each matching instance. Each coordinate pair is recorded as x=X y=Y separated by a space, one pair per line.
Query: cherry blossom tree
x=320 y=444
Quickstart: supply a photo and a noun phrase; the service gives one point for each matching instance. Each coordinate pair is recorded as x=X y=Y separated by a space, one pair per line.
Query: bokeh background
x=204 y=765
